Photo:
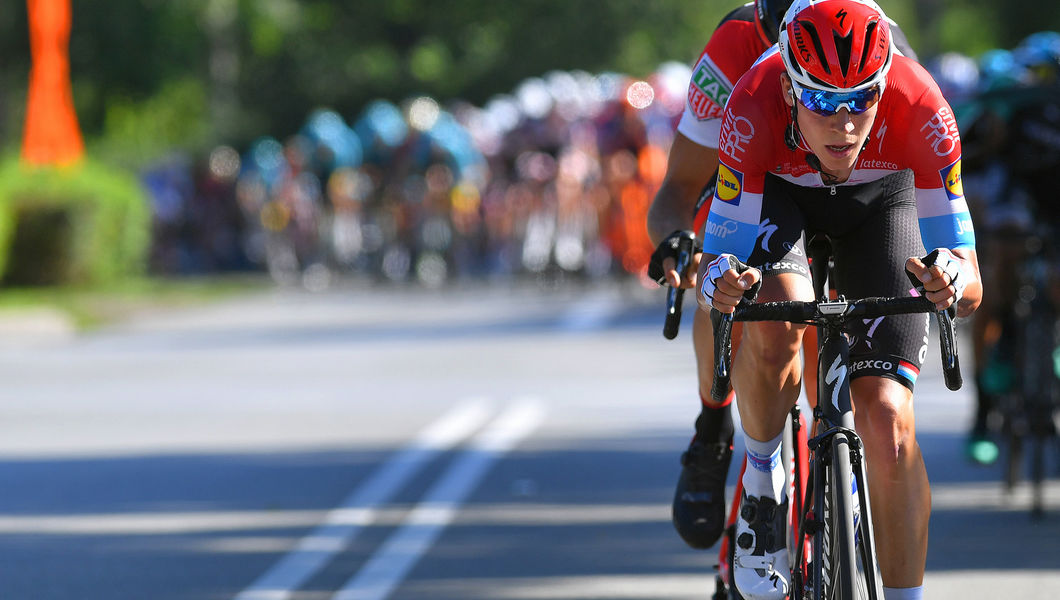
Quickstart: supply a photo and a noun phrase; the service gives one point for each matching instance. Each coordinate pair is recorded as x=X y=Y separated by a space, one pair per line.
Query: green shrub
x=83 y=224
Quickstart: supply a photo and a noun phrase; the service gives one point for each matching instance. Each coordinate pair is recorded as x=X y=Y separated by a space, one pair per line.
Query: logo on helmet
x=800 y=44
x=841 y=15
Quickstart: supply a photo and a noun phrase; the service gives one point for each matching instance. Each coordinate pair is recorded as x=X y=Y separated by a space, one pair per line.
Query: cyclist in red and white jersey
x=832 y=133
x=741 y=37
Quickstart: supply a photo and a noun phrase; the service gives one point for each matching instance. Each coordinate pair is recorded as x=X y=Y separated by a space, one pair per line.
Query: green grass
x=92 y=307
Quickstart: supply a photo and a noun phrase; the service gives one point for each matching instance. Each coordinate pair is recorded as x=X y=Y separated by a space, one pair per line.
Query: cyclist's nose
x=843 y=121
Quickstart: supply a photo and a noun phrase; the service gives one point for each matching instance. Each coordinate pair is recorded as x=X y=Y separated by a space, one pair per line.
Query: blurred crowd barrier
x=551 y=181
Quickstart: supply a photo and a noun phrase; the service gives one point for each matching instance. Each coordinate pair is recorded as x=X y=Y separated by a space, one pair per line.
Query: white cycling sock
x=913 y=593
x=764 y=476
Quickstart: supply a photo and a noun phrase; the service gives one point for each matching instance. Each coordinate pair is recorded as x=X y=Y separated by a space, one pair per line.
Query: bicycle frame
x=837 y=447
x=836 y=465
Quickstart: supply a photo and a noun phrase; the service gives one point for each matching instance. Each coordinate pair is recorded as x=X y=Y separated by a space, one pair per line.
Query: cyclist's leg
x=885 y=358
x=766 y=375
x=769 y=361
x=898 y=482
x=698 y=509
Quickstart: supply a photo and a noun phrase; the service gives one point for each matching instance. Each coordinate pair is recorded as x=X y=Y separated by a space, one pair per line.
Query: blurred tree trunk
x=52 y=135
x=929 y=13
x=221 y=18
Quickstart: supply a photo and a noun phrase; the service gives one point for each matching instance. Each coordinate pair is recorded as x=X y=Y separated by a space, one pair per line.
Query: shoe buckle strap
x=751 y=561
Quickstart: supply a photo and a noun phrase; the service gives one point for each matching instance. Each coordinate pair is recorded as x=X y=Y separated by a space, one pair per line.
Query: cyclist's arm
x=933 y=146
x=973 y=291
x=689 y=169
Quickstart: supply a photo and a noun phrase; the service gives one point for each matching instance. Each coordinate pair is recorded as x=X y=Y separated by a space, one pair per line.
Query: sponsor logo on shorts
x=730 y=185
x=879 y=365
x=784 y=266
x=902 y=368
x=951 y=180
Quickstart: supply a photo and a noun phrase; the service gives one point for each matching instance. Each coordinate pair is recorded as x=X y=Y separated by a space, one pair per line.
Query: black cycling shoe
x=699 y=501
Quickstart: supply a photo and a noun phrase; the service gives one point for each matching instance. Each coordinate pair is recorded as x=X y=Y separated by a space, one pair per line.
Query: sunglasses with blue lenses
x=827 y=104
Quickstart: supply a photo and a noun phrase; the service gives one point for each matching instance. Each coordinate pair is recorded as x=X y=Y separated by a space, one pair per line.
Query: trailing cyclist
x=833 y=132
x=741 y=37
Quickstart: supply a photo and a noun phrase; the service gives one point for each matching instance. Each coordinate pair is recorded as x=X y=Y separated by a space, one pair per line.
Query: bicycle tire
x=821 y=577
x=869 y=578
x=852 y=556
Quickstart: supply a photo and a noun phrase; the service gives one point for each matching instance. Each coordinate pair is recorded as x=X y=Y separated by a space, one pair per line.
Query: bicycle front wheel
x=854 y=573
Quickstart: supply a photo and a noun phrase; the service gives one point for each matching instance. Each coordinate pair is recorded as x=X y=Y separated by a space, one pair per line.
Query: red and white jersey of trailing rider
x=914 y=129
x=733 y=47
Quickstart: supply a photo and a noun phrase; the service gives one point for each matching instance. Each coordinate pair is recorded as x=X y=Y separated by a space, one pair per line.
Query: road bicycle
x=832 y=554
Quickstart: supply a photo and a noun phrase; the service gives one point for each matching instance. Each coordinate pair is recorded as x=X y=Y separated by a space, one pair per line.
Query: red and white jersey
x=914 y=129
x=730 y=52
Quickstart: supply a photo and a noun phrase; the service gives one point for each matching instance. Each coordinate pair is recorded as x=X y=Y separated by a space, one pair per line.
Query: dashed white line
x=396 y=557
x=359 y=509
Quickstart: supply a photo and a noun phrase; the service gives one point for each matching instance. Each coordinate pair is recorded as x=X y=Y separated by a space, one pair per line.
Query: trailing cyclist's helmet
x=836 y=45
x=769 y=14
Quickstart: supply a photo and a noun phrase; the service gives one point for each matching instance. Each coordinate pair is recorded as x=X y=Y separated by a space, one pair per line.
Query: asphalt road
x=486 y=443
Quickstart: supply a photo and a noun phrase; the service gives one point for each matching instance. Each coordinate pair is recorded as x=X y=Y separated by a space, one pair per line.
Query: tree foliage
x=237 y=69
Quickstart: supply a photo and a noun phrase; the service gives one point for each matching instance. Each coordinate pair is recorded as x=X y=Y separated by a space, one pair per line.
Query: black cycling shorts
x=873 y=230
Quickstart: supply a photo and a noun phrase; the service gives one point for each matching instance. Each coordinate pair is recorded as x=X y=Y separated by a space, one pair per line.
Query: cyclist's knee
x=773 y=345
x=885 y=419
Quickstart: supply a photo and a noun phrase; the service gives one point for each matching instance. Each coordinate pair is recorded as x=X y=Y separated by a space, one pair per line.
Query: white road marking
x=396 y=557
x=591 y=313
x=359 y=509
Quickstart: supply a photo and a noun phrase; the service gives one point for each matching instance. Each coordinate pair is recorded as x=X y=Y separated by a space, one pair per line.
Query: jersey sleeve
x=730 y=52
x=934 y=144
x=736 y=210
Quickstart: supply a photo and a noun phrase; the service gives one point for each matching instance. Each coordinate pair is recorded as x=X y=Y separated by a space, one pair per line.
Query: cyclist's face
x=836 y=139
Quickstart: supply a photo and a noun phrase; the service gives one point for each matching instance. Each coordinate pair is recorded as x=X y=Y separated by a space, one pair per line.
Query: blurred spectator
x=550 y=182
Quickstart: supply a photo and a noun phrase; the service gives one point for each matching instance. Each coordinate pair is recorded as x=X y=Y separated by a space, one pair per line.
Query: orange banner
x=52 y=135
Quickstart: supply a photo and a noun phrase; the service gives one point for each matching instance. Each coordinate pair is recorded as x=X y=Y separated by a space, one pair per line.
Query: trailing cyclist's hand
x=943 y=281
x=662 y=268
x=723 y=285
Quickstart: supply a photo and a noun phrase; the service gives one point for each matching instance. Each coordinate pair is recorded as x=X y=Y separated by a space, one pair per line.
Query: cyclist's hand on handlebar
x=688 y=279
x=722 y=285
x=943 y=280
x=662 y=268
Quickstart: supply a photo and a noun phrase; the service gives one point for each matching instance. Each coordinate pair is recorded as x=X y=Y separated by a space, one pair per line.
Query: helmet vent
x=870 y=36
x=811 y=32
x=842 y=47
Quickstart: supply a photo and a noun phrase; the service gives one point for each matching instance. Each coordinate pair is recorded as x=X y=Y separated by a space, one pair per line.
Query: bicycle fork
x=837 y=471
